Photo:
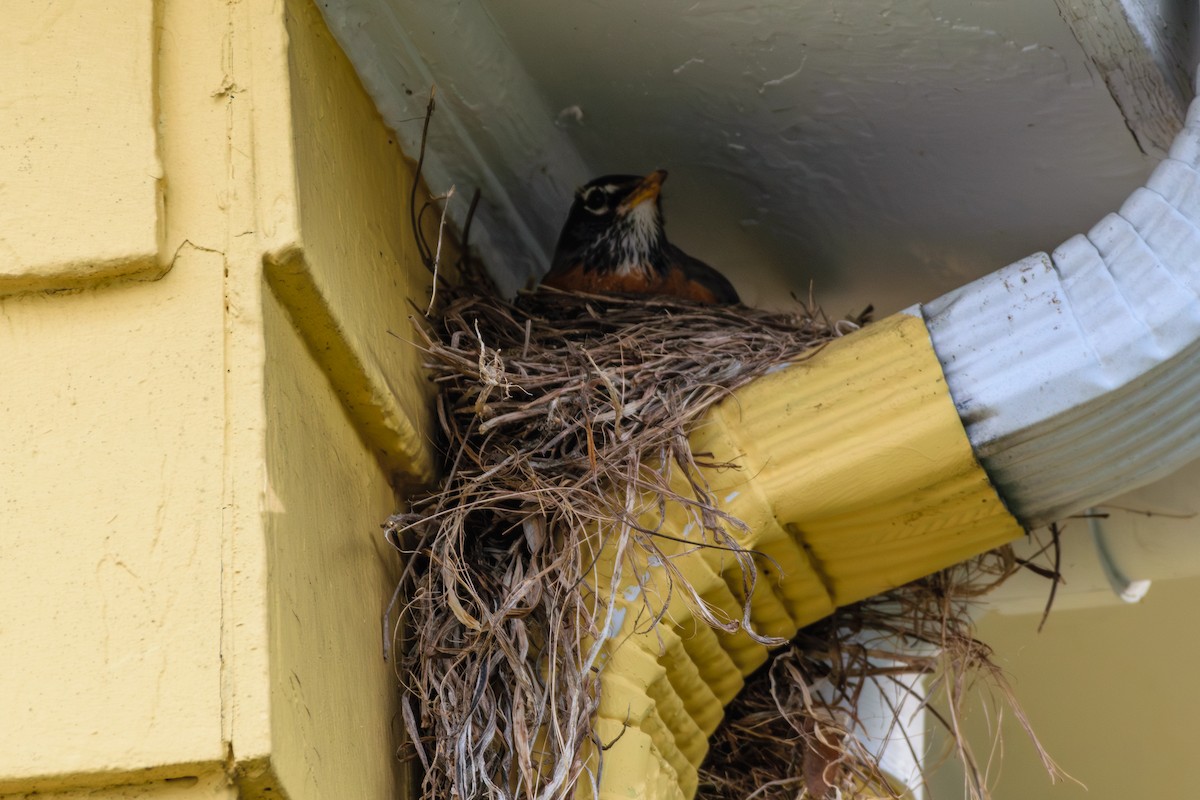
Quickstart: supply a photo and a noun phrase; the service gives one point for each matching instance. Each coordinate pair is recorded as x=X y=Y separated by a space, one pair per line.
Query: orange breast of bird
x=674 y=284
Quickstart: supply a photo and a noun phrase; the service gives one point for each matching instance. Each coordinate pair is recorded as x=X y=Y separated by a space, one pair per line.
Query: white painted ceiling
x=884 y=152
x=880 y=151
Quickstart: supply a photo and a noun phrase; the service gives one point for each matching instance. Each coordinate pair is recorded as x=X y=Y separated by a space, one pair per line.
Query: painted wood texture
x=79 y=166
x=1140 y=71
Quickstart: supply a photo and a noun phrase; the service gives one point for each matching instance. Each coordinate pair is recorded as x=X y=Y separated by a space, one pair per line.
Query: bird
x=614 y=242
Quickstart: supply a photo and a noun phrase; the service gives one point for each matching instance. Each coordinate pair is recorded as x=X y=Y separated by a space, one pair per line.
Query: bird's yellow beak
x=648 y=189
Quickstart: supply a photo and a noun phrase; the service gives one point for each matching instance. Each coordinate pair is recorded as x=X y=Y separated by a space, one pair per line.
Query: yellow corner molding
x=389 y=415
x=856 y=476
x=351 y=276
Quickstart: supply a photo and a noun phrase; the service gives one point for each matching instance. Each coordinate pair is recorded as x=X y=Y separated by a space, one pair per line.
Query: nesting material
x=566 y=423
x=558 y=410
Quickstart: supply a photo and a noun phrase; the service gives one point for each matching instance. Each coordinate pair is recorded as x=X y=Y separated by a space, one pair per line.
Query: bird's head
x=616 y=224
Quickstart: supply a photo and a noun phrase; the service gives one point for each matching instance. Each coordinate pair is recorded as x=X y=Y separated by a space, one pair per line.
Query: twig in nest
x=431 y=257
x=1056 y=540
x=464 y=254
x=437 y=256
x=413 y=215
x=1149 y=512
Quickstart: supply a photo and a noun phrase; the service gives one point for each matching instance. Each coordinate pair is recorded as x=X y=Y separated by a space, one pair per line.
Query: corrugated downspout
x=1077 y=374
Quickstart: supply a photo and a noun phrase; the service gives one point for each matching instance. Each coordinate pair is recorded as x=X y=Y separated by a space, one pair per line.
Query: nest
x=563 y=419
x=561 y=415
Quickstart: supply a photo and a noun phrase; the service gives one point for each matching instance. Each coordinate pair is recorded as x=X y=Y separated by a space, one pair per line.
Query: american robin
x=613 y=241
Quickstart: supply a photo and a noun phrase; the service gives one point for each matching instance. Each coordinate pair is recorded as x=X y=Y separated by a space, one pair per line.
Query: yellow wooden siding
x=355 y=281
x=79 y=167
x=191 y=500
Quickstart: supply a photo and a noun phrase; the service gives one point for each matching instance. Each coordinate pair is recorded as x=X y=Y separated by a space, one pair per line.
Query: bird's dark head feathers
x=615 y=223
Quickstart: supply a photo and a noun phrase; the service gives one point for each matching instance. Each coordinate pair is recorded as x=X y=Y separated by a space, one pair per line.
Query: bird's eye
x=595 y=200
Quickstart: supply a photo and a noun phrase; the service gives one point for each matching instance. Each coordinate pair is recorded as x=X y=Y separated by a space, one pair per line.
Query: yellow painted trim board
x=81 y=194
x=383 y=422
x=354 y=278
x=207 y=783
x=855 y=476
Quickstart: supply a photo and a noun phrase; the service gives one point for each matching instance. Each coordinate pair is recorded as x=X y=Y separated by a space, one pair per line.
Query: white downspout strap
x=1077 y=374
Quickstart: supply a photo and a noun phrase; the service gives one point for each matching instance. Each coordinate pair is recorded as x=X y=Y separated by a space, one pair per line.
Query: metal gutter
x=1077 y=373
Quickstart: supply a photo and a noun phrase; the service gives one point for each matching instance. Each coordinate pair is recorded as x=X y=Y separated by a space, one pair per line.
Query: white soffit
x=491 y=129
